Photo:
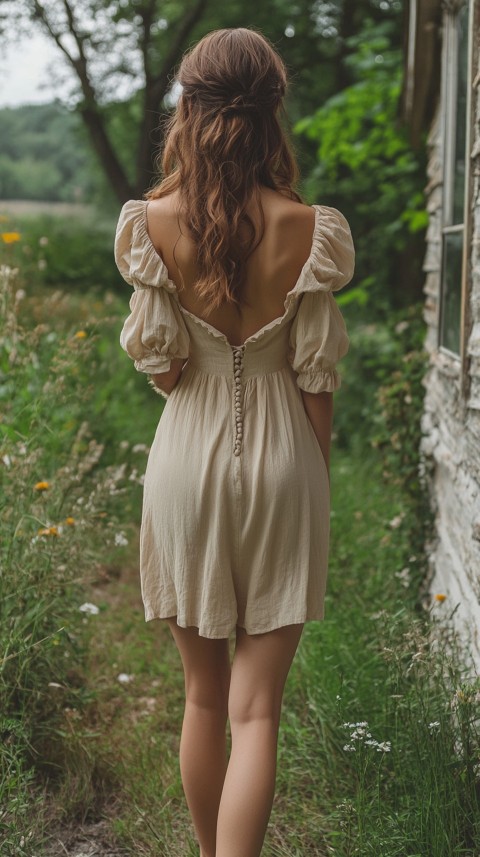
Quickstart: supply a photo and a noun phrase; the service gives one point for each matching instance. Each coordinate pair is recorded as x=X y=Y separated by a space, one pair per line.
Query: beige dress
x=236 y=501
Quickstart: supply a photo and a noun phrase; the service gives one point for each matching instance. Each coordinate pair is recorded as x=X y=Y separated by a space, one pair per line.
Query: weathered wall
x=451 y=420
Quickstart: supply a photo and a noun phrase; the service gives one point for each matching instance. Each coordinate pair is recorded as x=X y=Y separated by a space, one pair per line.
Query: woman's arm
x=166 y=381
x=319 y=408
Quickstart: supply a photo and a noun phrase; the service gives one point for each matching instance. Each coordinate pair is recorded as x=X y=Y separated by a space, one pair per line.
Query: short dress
x=236 y=497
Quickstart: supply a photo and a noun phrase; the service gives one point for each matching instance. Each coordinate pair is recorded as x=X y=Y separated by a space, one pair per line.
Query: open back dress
x=236 y=498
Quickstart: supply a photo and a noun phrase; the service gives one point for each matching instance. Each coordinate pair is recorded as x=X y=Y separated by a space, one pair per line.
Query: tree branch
x=160 y=83
x=155 y=90
x=89 y=110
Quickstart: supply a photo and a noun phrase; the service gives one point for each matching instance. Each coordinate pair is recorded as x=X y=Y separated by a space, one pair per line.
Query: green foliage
x=70 y=493
x=43 y=154
x=377 y=350
x=365 y=166
x=74 y=252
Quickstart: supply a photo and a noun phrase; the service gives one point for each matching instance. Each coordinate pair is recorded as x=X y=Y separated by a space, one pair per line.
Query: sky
x=23 y=68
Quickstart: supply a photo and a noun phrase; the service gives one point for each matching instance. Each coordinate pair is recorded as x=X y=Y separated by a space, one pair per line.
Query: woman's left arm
x=166 y=381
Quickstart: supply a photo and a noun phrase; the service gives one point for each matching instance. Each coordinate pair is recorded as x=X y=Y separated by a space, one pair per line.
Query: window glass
x=455 y=99
x=461 y=117
x=451 y=290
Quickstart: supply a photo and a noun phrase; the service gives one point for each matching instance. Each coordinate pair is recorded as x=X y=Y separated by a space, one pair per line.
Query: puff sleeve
x=318 y=337
x=154 y=333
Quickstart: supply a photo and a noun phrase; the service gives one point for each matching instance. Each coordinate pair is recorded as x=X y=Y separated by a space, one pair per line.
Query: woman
x=233 y=318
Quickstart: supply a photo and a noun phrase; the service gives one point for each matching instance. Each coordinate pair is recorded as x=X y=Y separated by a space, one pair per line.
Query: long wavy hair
x=223 y=142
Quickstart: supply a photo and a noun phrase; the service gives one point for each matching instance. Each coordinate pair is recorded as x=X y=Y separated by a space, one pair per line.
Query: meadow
x=380 y=742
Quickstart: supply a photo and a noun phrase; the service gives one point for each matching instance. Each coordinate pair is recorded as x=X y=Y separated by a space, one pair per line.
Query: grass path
x=123 y=756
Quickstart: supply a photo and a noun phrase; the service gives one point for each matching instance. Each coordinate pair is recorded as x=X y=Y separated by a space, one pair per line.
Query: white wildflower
x=349 y=748
x=121 y=540
x=140 y=447
x=43 y=241
x=396 y=521
x=384 y=747
x=404 y=576
x=87 y=607
x=124 y=678
x=434 y=726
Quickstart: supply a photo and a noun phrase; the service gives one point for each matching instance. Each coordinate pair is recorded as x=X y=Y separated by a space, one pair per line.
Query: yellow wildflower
x=42 y=486
x=440 y=597
x=70 y=521
x=10 y=237
x=80 y=334
x=48 y=531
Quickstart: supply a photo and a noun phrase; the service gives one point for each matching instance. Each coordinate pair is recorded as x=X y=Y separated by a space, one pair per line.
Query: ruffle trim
x=153 y=364
x=319 y=380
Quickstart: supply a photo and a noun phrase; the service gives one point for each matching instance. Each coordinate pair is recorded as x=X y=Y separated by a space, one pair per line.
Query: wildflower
x=10 y=237
x=48 y=531
x=124 y=678
x=42 y=486
x=440 y=596
x=139 y=447
x=434 y=726
x=384 y=747
x=43 y=241
x=396 y=521
x=20 y=294
x=80 y=334
x=121 y=540
x=349 y=748
x=87 y=607
x=70 y=521
x=404 y=576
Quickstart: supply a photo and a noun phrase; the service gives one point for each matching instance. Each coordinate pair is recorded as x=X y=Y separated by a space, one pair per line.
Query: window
x=456 y=106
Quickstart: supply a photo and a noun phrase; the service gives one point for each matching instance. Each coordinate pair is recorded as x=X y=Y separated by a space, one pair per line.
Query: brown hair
x=223 y=142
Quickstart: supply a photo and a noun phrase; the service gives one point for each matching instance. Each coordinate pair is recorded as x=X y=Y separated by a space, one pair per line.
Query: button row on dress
x=237 y=380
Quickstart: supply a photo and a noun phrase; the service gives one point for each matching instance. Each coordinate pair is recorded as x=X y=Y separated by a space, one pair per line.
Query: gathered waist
x=238 y=362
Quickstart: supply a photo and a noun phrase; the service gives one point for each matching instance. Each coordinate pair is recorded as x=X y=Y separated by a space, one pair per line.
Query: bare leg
x=259 y=671
x=203 y=752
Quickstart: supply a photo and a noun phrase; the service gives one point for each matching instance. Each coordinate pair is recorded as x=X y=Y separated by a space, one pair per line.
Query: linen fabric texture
x=236 y=497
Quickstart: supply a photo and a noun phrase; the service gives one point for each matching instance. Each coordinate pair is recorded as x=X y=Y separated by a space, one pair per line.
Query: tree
x=120 y=58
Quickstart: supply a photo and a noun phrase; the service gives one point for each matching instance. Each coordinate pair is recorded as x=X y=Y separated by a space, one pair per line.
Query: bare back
x=272 y=269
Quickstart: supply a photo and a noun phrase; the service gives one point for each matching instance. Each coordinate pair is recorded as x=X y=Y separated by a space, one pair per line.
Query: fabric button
x=237 y=384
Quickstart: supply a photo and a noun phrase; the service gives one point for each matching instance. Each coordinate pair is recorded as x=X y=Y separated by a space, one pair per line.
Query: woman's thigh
x=260 y=668
x=206 y=666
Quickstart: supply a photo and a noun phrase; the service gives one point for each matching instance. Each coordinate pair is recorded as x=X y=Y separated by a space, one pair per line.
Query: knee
x=210 y=695
x=247 y=707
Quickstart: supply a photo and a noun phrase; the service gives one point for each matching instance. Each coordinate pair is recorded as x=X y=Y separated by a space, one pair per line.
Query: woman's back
x=271 y=271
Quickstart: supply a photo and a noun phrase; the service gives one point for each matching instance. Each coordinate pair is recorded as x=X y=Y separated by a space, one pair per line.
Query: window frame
x=451 y=10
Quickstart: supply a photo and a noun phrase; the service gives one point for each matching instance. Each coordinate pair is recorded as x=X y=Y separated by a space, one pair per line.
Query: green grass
x=369 y=660
x=78 y=744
